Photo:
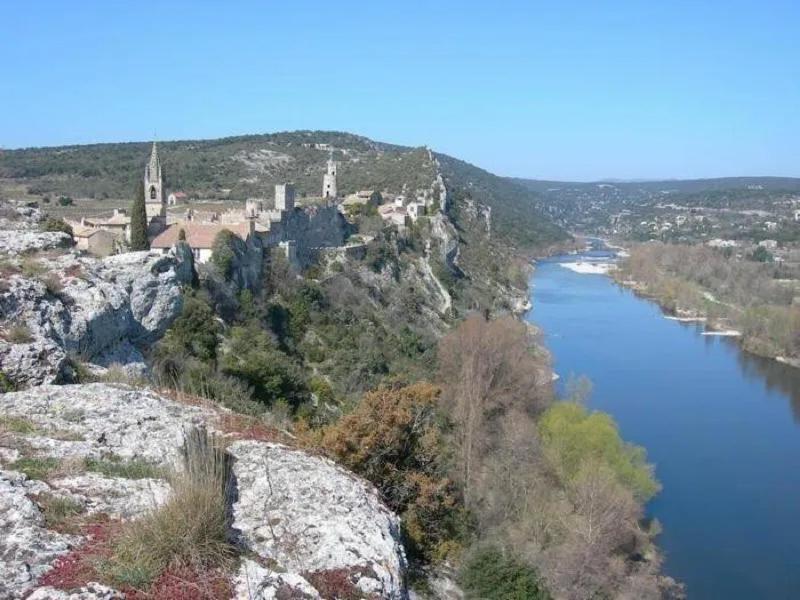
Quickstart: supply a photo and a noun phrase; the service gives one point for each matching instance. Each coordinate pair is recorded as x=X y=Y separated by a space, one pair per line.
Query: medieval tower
x=329 y=181
x=153 y=191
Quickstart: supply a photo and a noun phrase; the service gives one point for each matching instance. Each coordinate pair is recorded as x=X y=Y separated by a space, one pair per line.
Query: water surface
x=721 y=425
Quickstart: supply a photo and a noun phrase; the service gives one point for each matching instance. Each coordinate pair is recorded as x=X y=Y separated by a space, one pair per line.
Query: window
x=152 y=192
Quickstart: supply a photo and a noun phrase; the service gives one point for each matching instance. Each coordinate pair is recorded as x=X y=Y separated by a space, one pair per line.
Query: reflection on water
x=778 y=377
x=721 y=425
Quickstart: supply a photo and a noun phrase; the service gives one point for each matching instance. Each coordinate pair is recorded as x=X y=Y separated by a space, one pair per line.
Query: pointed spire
x=154 y=159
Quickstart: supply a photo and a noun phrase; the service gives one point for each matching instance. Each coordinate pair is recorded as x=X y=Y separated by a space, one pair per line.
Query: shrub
x=253 y=357
x=488 y=574
x=194 y=332
x=53 y=224
x=572 y=437
x=393 y=438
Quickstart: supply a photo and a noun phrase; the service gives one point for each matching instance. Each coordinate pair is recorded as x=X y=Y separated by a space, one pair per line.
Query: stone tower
x=153 y=190
x=284 y=196
x=329 y=181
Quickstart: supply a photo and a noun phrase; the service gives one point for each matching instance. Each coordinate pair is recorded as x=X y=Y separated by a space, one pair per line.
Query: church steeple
x=153 y=188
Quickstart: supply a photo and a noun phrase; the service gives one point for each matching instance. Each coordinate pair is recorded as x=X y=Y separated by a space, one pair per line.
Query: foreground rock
x=56 y=305
x=309 y=523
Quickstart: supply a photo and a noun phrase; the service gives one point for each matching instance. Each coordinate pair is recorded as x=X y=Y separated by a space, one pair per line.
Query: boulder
x=313 y=517
x=306 y=523
x=99 y=310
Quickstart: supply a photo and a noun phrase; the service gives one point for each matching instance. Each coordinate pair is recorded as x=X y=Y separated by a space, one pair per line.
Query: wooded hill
x=235 y=168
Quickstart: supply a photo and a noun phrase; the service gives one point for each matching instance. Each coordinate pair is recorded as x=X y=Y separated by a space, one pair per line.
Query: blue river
x=722 y=427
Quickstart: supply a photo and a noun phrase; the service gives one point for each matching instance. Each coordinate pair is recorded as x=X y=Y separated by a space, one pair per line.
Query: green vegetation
x=574 y=439
x=223 y=253
x=488 y=574
x=53 y=224
x=36 y=467
x=114 y=466
x=18 y=333
x=139 y=239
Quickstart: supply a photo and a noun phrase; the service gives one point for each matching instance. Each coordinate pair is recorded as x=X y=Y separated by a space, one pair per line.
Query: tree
x=223 y=253
x=489 y=375
x=53 y=224
x=139 y=220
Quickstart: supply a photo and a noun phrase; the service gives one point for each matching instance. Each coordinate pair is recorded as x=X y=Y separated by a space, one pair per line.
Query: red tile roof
x=198 y=235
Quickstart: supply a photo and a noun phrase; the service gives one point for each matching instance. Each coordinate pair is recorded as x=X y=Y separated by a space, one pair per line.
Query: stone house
x=200 y=236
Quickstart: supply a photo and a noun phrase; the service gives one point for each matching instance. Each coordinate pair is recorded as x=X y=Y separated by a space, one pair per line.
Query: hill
x=235 y=168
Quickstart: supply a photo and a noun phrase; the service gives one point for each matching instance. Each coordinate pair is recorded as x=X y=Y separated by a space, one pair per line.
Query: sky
x=566 y=90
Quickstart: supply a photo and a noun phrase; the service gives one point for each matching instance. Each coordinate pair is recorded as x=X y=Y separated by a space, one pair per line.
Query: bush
x=194 y=332
x=490 y=575
x=393 y=438
x=252 y=356
x=573 y=437
x=53 y=224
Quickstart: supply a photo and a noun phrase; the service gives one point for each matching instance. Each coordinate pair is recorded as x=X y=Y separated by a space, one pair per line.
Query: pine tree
x=139 y=221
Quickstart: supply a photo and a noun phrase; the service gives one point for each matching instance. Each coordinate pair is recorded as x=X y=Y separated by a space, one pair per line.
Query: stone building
x=329 y=181
x=155 y=203
x=284 y=195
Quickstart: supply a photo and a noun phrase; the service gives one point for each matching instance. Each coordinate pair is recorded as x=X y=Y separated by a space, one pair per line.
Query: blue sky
x=559 y=90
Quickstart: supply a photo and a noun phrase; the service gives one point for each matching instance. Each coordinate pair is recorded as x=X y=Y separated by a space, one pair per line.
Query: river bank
x=718 y=318
x=720 y=425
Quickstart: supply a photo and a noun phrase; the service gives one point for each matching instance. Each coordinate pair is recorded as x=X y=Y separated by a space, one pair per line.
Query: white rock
x=115 y=496
x=97 y=309
x=20 y=242
x=92 y=591
x=254 y=582
x=302 y=513
x=310 y=515
x=26 y=547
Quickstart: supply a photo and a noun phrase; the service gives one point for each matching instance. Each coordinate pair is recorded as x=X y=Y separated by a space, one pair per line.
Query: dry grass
x=189 y=530
x=60 y=512
x=18 y=333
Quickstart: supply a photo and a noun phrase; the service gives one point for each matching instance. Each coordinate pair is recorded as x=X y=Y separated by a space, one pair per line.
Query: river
x=722 y=427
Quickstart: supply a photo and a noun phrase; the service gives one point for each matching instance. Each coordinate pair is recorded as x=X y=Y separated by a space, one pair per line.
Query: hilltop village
x=321 y=224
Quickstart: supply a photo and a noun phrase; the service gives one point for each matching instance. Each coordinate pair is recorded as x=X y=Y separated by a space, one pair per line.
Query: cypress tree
x=139 y=220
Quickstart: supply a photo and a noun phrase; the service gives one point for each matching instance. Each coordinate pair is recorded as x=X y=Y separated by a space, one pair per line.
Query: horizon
x=604 y=180
x=570 y=94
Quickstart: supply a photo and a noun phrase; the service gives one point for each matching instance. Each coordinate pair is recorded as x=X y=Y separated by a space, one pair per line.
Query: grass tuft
x=19 y=425
x=189 y=531
x=60 y=512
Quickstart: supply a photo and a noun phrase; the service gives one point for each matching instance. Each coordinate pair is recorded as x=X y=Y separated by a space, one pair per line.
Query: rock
x=310 y=515
x=20 y=242
x=254 y=582
x=27 y=548
x=312 y=522
x=99 y=310
x=34 y=363
x=113 y=419
x=92 y=591
x=117 y=497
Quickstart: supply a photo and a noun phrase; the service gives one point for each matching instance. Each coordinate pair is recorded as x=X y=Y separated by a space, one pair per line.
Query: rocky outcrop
x=98 y=310
x=307 y=521
x=15 y=243
x=325 y=520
